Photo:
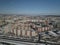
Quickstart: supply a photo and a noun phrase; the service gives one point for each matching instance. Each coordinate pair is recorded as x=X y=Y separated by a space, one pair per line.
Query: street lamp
x=39 y=35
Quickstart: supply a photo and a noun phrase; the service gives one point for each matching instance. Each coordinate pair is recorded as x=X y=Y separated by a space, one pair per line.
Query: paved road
x=26 y=43
x=19 y=42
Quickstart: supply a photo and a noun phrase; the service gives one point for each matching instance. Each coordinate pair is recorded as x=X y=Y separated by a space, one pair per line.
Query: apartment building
x=27 y=27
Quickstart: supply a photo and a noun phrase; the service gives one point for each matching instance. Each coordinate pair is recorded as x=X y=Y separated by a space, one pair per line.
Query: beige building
x=23 y=28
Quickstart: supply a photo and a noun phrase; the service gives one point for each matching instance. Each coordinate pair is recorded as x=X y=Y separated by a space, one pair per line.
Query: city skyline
x=42 y=7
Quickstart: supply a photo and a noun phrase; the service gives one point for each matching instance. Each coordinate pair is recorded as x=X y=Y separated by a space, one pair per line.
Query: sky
x=42 y=7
